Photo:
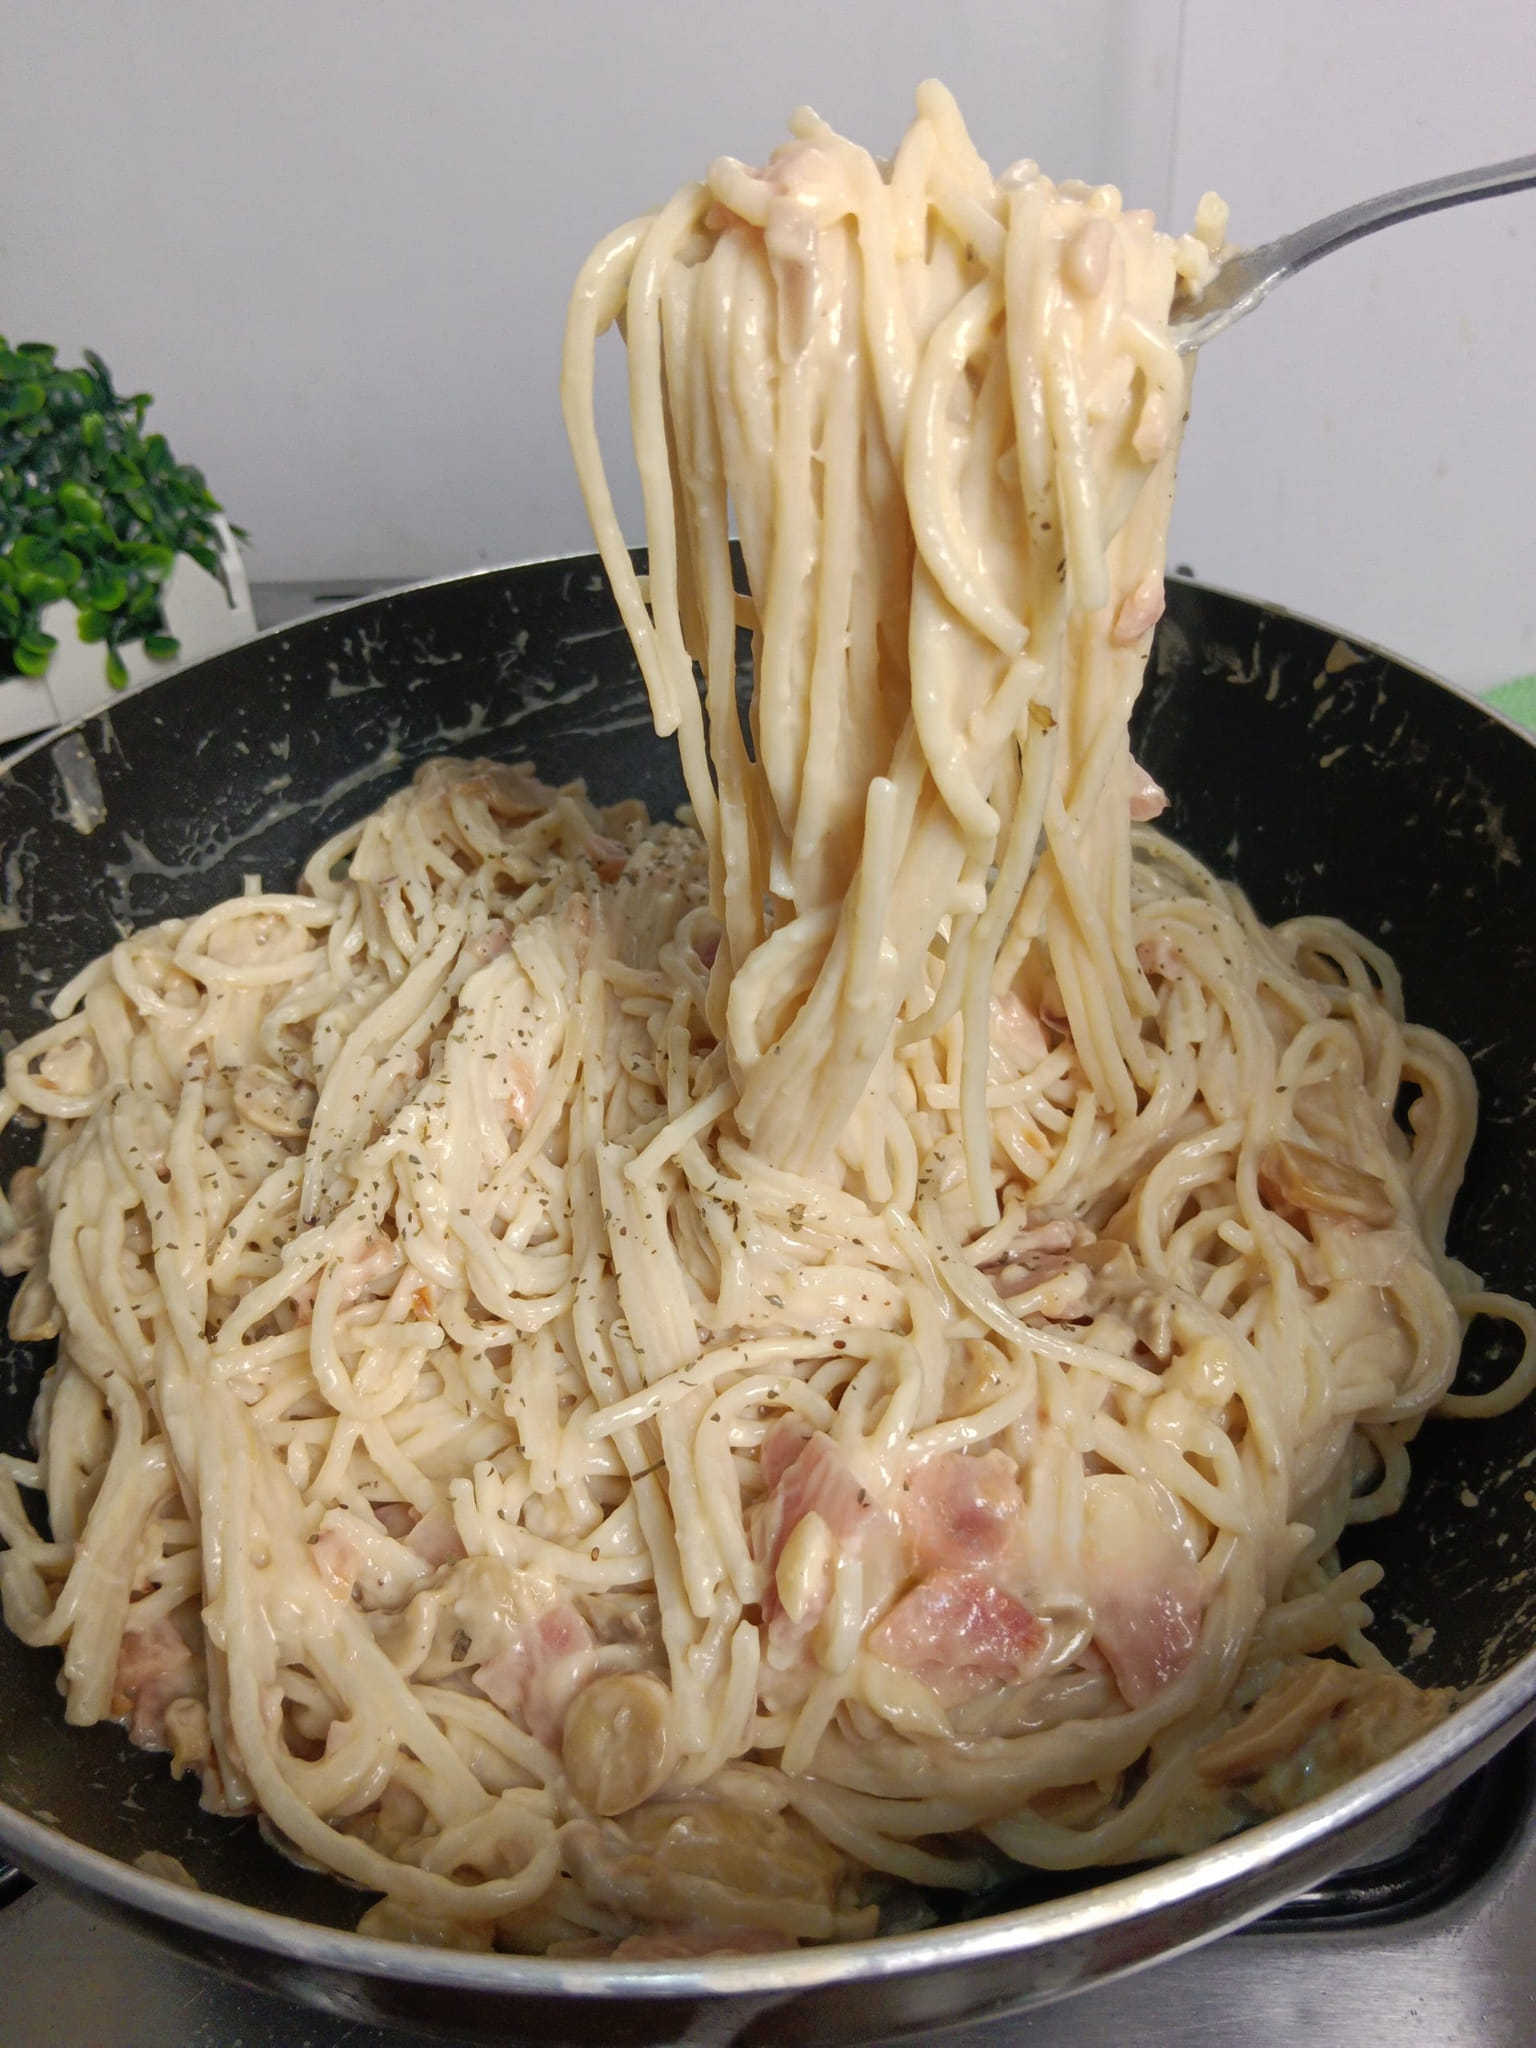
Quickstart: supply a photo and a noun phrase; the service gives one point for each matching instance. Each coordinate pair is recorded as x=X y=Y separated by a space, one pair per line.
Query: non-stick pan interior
x=1322 y=776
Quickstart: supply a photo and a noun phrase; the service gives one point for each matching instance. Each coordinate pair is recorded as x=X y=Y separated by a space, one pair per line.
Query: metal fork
x=1248 y=277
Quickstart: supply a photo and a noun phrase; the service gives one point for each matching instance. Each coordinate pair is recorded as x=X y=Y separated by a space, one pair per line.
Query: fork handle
x=1295 y=251
x=1245 y=279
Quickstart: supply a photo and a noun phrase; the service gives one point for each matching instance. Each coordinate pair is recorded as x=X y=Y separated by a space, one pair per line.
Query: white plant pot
x=203 y=617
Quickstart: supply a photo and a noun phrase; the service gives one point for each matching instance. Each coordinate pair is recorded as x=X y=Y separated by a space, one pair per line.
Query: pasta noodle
x=648 y=1385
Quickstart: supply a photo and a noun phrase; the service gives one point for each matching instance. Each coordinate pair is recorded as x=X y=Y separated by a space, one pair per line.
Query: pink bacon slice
x=960 y=1511
x=960 y=1633
x=807 y=1475
x=1148 y=799
x=1146 y=1592
x=154 y=1668
x=540 y=1671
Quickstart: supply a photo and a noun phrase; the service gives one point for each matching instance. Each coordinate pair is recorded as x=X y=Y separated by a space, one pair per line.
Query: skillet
x=1321 y=774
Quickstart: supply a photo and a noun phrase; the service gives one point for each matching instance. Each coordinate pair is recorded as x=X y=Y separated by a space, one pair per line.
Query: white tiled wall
x=335 y=237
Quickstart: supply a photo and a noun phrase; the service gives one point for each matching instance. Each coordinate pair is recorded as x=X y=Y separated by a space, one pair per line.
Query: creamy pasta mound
x=653 y=1388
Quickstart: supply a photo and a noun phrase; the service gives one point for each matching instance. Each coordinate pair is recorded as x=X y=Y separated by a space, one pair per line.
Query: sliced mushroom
x=617 y=1744
x=35 y=1317
x=608 y=856
x=26 y=1195
x=24 y=1244
x=274 y=1102
x=804 y=1568
x=186 y=1728
x=1278 y=1724
x=1319 y=1723
x=1300 y=1177
x=71 y=1066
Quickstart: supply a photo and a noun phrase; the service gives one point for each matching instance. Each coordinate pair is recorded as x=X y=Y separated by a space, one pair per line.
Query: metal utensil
x=1246 y=278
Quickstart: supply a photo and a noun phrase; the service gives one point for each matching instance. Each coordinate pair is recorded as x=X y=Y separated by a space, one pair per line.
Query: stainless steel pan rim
x=1428 y=1768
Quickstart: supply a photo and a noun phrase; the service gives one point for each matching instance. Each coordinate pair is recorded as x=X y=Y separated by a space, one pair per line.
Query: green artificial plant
x=92 y=509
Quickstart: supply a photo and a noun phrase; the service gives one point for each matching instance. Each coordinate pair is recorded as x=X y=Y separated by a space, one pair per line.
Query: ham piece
x=1148 y=799
x=960 y=1511
x=807 y=1475
x=154 y=1667
x=1146 y=1593
x=540 y=1671
x=435 y=1539
x=960 y=1633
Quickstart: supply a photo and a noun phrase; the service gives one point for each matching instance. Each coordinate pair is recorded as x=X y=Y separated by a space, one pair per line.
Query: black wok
x=1322 y=776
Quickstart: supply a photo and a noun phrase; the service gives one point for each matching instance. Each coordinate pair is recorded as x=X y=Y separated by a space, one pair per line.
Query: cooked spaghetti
x=653 y=1386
